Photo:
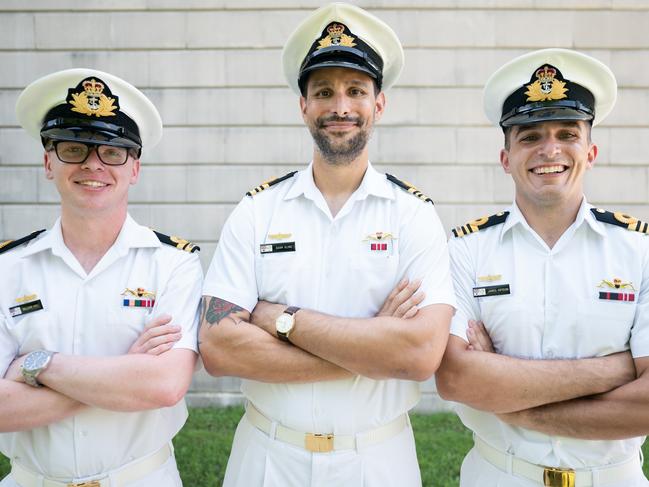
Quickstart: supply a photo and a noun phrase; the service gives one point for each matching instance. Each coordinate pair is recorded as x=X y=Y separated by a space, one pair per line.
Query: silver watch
x=35 y=362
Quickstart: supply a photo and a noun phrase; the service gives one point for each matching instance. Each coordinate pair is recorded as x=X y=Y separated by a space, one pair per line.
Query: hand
x=479 y=338
x=403 y=300
x=158 y=337
x=265 y=314
x=14 y=372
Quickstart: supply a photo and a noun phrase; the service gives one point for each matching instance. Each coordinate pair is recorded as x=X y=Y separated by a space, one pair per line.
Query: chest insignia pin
x=139 y=298
x=380 y=241
x=616 y=285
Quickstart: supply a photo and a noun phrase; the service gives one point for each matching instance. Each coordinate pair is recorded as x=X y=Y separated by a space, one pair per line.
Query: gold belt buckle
x=320 y=443
x=558 y=477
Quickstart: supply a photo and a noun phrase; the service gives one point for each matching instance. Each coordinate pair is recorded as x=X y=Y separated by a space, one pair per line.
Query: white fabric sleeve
x=424 y=254
x=181 y=298
x=463 y=273
x=231 y=274
x=8 y=346
x=639 y=342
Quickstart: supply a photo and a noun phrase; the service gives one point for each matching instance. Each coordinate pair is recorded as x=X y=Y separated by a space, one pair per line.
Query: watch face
x=284 y=323
x=35 y=360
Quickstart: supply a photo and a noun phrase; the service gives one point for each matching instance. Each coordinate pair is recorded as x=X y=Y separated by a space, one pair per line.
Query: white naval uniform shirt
x=335 y=271
x=553 y=311
x=84 y=314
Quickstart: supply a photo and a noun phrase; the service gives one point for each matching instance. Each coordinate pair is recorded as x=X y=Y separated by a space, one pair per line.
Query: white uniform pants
x=164 y=476
x=477 y=472
x=258 y=461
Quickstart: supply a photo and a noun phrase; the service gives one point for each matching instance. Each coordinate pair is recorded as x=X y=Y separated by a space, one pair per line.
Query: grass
x=203 y=445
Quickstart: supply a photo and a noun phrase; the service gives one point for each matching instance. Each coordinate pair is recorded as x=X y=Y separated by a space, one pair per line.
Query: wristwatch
x=35 y=362
x=285 y=322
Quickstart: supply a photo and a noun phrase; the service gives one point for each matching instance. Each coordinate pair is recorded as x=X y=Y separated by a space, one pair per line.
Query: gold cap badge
x=336 y=37
x=546 y=87
x=92 y=100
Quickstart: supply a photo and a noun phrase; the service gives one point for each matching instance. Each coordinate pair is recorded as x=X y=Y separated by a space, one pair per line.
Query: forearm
x=379 y=347
x=24 y=407
x=618 y=414
x=244 y=350
x=122 y=383
x=502 y=384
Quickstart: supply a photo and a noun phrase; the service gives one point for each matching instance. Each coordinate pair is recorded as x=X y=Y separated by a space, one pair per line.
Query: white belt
x=324 y=442
x=124 y=475
x=556 y=477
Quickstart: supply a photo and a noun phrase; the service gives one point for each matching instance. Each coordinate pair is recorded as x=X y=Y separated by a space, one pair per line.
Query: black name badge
x=271 y=248
x=23 y=309
x=481 y=292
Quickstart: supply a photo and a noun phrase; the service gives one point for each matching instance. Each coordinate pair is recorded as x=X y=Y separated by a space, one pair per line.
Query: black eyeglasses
x=77 y=152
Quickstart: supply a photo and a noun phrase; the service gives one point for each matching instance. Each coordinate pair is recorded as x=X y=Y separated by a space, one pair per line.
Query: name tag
x=25 y=308
x=271 y=248
x=481 y=292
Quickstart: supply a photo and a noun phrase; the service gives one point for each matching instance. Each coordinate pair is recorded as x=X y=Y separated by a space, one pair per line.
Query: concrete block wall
x=213 y=69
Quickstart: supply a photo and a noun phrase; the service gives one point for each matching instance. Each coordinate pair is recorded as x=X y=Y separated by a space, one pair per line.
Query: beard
x=337 y=149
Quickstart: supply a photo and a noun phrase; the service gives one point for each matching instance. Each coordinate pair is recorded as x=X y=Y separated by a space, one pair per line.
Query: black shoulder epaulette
x=621 y=220
x=10 y=244
x=409 y=188
x=179 y=243
x=269 y=183
x=480 y=224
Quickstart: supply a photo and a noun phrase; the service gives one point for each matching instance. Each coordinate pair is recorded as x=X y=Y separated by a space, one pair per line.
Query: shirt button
x=549 y=354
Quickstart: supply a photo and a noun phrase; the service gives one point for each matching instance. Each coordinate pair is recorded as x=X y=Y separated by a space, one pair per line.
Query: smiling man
x=556 y=295
x=98 y=315
x=298 y=298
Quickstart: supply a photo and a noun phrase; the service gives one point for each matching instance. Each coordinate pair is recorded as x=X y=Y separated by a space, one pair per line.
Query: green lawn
x=203 y=445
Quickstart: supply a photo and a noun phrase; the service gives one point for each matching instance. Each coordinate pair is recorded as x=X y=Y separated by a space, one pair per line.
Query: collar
x=373 y=183
x=583 y=215
x=131 y=235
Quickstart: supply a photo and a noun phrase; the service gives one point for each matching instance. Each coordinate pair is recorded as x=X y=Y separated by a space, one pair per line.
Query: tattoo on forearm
x=217 y=309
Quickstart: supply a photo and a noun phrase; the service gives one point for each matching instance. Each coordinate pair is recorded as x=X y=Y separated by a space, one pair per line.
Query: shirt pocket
x=512 y=329
x=603 y=327
x=38 y=330
x=122 y=327
x=278 y=272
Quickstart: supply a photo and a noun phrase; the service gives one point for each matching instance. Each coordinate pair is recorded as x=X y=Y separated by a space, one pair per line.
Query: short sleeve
x=463 y=282
x=8 y=346
x=181 y=298
x=639 y=342
x=424 y=254
x=231 y=274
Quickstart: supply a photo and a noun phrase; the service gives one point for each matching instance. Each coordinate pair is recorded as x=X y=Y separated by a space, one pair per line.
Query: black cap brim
x=546 y=114
x=89 y=136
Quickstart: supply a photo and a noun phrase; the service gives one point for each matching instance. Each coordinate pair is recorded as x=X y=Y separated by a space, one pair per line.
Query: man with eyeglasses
x=98 y=315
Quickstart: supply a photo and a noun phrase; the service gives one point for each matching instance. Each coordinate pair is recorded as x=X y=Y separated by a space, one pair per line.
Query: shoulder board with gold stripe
x=269 y=183
x=179 y=243
x=480 y=224
x=621 y=220
x=10 y=244
x=409 y=188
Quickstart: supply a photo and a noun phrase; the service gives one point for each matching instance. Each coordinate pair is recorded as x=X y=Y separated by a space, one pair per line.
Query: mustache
x=322 y=121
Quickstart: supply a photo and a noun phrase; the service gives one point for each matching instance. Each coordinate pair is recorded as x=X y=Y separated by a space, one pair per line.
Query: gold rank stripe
x=480 y=224
x=621 y=220
x=5 y=243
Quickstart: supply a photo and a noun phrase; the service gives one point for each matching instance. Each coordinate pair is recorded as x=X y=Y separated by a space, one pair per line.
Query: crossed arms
x=596 y=399
x=400 y=341
x=151 y=375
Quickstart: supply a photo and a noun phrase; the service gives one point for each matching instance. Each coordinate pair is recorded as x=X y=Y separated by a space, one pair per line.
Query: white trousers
x=258 y=461
x=164 y=476
x=477 y=472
